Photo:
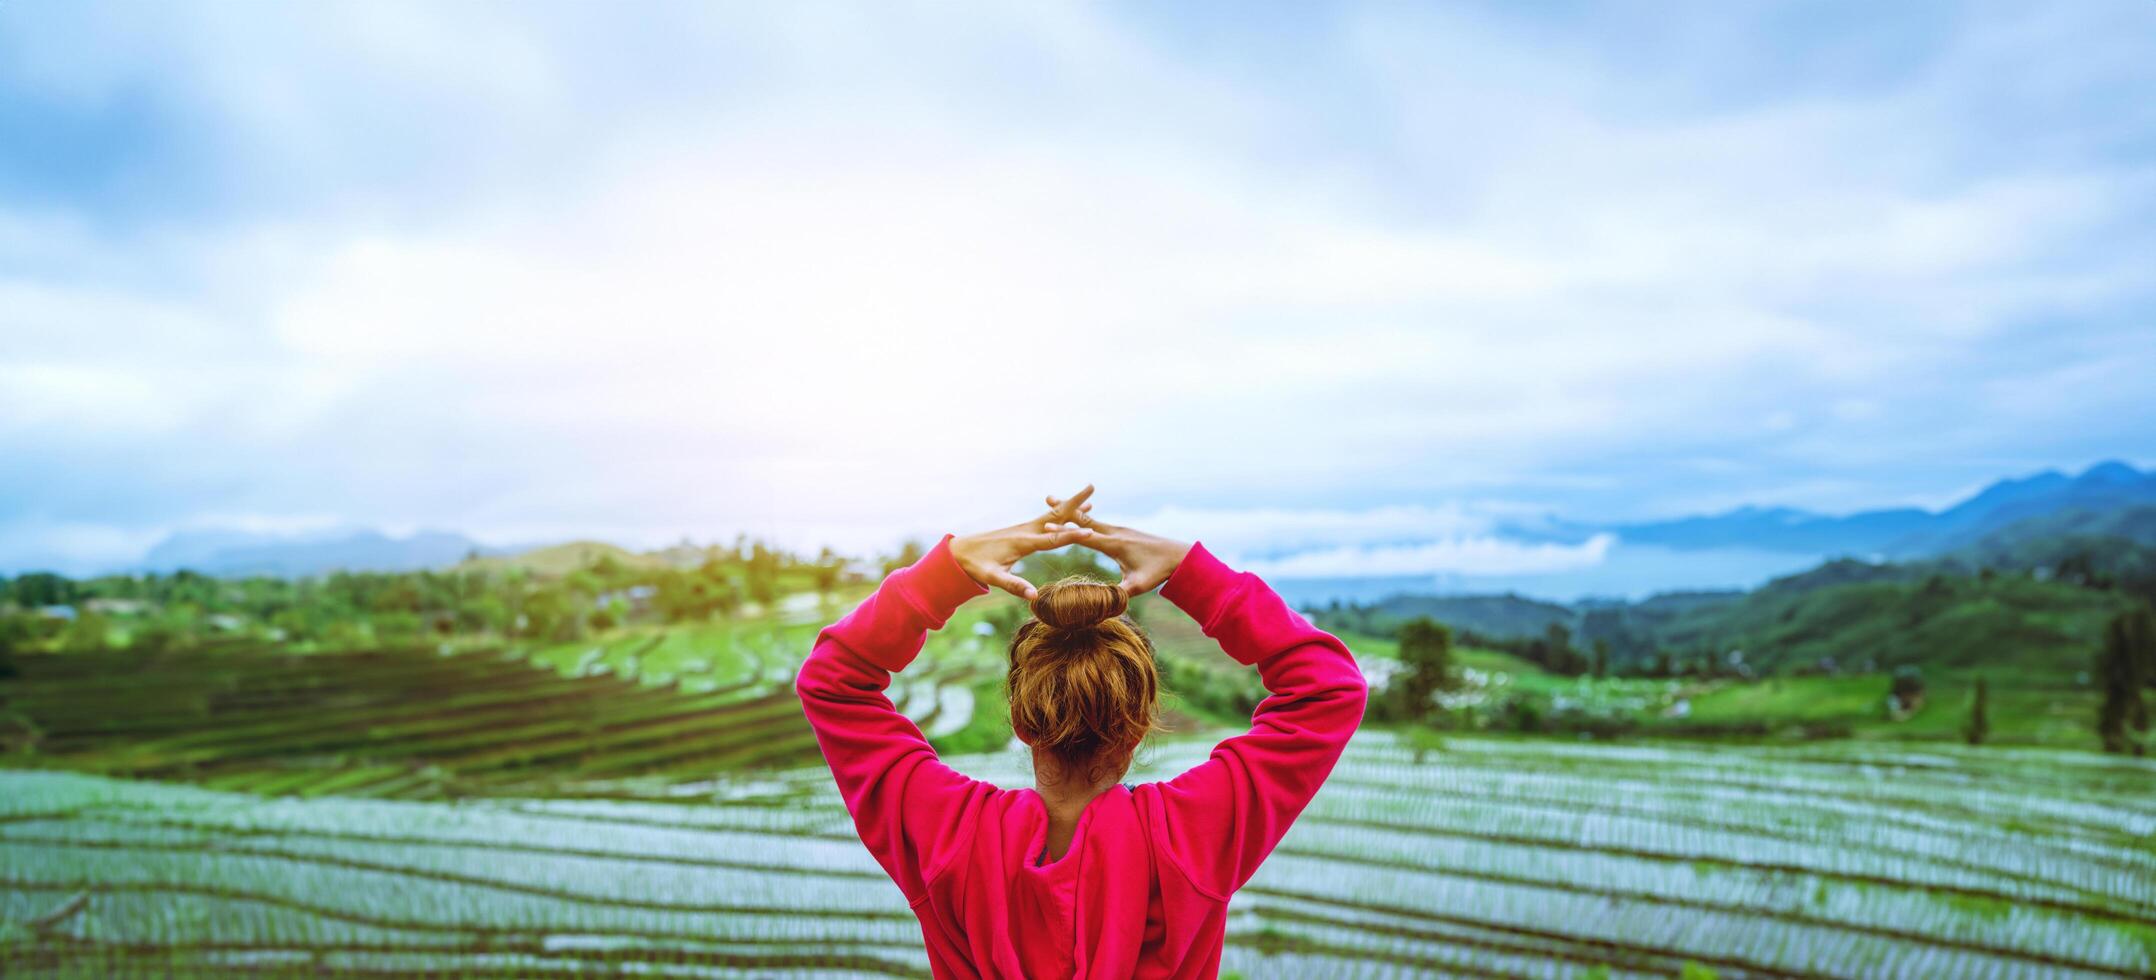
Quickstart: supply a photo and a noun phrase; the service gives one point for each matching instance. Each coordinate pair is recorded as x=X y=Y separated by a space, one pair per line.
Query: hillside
x=1489 y=615
x=561 y=559
x=1843 y=616
x=2081 y=546
x=2134 y=525
x=1856 y=621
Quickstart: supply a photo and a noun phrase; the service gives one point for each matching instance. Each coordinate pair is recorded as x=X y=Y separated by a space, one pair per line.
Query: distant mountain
x=2102 y=488
x=1489 y=615
x=239 y=553
x=1905 y=532
x=1782 y=529
x=1312 y=593
x=2026 y=540
x=561 y=559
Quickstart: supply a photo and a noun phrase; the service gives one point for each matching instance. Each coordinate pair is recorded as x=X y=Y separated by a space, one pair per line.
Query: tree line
x=42 y=610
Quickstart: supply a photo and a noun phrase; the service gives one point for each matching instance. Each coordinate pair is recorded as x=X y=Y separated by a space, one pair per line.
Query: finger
x=1013 y=584
x=1055 y=504
x=1107 y=544
x=1057 y=537
x=1066 y=507
x=1079 y=499
x=1087 y=520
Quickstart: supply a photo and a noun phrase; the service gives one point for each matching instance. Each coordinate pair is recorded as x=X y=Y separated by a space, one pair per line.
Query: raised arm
x=907 y=805
x=1227 y=813
x=904 y=801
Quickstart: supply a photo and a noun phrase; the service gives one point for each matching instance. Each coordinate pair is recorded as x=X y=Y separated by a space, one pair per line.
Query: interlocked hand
x=1146 y=560
x=989 y=556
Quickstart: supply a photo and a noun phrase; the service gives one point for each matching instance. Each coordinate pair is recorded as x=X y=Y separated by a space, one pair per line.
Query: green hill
x=561 y=559
x=1503 y=616
x=1855 y=620
x=2129 y=525
x=1844 y=616
x=2104 y=549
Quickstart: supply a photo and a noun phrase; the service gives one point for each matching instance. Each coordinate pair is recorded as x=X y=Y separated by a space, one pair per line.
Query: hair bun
x=1076 y=603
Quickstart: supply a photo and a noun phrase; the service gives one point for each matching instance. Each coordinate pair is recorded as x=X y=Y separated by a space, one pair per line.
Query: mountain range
x=1906 y=532
x=241 y=553
x=2105 y=515
x=2047 y=503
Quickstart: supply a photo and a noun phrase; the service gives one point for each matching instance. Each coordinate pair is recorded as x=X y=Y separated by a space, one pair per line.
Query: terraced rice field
x=1489 y=858
x=652 y=707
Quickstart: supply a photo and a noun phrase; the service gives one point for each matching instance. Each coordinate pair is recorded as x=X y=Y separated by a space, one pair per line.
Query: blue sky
x=1280 y=276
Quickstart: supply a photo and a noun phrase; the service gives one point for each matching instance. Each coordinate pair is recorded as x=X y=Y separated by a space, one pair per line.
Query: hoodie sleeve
x=1225 y=815
x=906 y=804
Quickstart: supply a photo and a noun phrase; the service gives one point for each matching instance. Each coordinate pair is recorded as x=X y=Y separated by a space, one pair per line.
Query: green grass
x=2028 y=706
x=1791 y=699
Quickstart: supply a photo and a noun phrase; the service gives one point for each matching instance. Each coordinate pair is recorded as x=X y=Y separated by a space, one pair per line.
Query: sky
x=1334 y=286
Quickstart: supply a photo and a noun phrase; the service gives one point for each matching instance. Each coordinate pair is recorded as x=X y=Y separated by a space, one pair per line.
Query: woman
x=1081 y=875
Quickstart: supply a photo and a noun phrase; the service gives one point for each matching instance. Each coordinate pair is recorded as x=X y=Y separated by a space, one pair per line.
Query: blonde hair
x=1083 y=686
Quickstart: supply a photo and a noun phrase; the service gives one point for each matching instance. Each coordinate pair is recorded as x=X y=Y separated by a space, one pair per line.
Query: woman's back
x=1143 y=888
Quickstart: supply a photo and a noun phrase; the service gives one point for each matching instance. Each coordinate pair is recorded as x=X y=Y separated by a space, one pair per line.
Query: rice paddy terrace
x=647 y=707
x=652 y=804
x=1489 y=858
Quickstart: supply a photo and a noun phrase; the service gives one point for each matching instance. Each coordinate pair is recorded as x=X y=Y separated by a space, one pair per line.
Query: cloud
x=842 y=276
x=1467 y=556
x=1460 y=539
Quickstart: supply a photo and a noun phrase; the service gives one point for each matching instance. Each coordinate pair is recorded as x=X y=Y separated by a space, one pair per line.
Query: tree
x=1602 y=659
x=35 y=589
x=827 y=568
x=1554 y=651
x=908 y=553
x=1906 y=693
x=2082 y=569
x=551 y=613
x=88 y=631
x=1426 y=655
x=1979 y=727
x=1044 y=567
x=762 y=574
x=2123 y=668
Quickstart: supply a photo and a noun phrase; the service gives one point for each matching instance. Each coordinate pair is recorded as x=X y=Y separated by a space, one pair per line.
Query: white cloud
x=1467 y=556
x=71 y=547
x=1455 y=539
x=1274 y=529
x=901 y=269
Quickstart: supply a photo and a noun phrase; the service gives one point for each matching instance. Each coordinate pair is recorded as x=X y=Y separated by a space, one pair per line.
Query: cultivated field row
x=1485 y=859
x=626 y=715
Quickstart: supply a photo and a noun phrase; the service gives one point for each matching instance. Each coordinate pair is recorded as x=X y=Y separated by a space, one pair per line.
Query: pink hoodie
x=1143 y=890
